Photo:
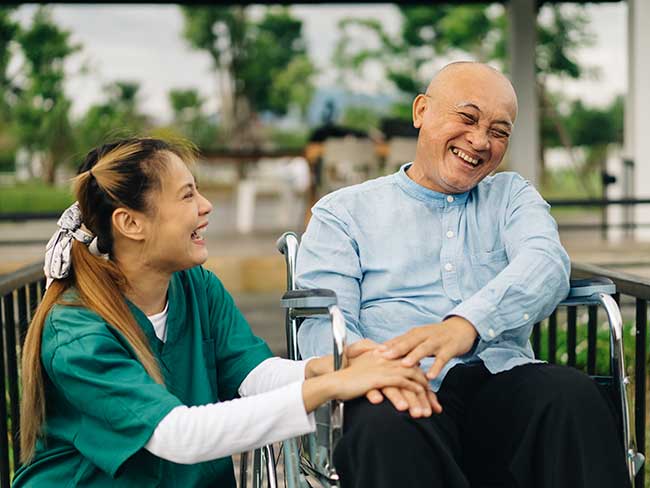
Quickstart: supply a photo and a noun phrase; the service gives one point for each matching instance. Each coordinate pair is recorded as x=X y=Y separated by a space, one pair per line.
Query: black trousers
x=535 y=426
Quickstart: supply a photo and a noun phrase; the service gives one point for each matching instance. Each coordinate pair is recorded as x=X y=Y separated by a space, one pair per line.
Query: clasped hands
x=451 y=338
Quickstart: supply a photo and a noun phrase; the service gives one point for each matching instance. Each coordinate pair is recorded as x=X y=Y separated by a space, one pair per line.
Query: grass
x=34 y=197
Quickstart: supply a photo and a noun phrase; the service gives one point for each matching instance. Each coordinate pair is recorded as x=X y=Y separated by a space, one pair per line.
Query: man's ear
x=129 y=223
x=419 y=107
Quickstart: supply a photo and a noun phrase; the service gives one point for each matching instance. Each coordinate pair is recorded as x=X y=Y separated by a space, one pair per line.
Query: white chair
x=286 y=179
x=347 y=161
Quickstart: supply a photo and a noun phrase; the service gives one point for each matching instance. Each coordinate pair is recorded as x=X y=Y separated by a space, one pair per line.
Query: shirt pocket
x=210 y=361
x=487 y=264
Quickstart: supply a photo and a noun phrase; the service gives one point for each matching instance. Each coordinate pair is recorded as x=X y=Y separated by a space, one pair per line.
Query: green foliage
x=288 y=86
x=361 y=118
x=559 y=39
x=261 y=65
x=7 y=161
x=189 y=120
x=8 y=32
x=40 y=112
x=186 y=104
x=288 y=139
x=117 y=116
x=426 y=32
x=569 y=183
x=596 y=126
x=34 y=197
x=275 y=42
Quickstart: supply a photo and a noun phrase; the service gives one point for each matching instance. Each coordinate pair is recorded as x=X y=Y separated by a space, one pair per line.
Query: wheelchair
x=308 y=460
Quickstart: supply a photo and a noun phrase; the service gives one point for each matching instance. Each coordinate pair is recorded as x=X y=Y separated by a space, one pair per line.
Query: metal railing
x=20 y=293
x=628 y=223
x=22 y=290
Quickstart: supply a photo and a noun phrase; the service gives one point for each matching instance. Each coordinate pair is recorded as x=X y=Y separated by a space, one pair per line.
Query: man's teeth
x=198 y=234
x=464 y=156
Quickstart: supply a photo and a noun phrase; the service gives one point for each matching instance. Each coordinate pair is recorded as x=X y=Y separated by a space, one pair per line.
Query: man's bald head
x=470 y=72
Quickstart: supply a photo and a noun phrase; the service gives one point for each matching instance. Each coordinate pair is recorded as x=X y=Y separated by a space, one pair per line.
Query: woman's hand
x=369 y=371
x=418 y=404
x=319 y=366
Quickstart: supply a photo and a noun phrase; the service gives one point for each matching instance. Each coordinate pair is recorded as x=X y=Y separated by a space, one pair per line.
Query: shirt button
x=450 y=198
x=449 y=266
x=450 y=234
x=491 y=332
x=526 y=316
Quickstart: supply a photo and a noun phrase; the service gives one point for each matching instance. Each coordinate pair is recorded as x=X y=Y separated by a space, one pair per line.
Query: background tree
x=189 y=119
x=293 y=86
x=40 y=114
x=593 y=129
x=256 y=62
x=117 y=116
x=8 y=31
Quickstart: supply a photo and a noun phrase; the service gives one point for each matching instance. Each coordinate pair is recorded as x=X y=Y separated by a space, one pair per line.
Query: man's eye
x=500 y=134
x=189 y=195
x=467 y=118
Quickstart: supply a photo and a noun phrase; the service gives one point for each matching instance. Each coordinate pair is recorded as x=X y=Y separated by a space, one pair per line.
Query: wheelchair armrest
x=314 y=299
x=585 y=292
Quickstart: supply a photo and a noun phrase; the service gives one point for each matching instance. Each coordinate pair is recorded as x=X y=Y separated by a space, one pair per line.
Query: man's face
x=465 y=123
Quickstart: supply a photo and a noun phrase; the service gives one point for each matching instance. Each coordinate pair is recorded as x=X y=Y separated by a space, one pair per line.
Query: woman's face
x=175 y=231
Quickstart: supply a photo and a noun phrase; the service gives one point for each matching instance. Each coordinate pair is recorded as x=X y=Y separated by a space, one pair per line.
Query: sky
x=144 y=43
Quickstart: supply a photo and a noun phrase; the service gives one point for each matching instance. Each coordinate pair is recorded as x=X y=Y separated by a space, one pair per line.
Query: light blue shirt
x=399 y=255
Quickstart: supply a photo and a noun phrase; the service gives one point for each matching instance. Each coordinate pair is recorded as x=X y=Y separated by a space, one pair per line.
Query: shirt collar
x=425 y=194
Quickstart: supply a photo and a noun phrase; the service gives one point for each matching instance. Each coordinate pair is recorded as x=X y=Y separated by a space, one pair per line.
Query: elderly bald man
x=446 y=264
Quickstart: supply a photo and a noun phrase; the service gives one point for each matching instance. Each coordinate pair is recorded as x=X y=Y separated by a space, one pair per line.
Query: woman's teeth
x=197 y=234
x=464 y=156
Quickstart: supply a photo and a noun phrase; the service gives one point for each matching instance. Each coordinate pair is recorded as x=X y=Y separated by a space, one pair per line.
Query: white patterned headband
x=58 y=249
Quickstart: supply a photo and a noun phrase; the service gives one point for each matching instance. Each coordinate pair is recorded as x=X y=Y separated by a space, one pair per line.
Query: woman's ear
x=129 y=224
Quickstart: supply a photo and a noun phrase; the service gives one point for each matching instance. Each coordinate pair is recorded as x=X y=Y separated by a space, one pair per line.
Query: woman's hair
x=119 y=174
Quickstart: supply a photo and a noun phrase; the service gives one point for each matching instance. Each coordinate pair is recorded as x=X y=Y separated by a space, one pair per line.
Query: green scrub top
x=102 y=406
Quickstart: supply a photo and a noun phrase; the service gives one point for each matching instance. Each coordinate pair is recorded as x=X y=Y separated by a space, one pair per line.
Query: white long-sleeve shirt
x=271 y=409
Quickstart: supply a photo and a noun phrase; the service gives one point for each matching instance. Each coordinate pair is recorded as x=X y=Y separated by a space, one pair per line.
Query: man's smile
x=468 y=158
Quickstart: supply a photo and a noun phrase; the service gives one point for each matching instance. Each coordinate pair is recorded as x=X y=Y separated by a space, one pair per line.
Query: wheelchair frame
x=312 y=461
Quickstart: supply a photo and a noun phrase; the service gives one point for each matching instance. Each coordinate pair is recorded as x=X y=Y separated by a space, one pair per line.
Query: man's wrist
x=467 y=326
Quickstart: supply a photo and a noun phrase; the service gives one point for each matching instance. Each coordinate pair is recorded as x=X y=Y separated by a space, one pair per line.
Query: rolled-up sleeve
x=329 y=258
x=536 y=279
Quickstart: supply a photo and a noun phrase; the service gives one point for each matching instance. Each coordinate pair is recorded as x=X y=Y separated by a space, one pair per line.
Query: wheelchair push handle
x=285 y=241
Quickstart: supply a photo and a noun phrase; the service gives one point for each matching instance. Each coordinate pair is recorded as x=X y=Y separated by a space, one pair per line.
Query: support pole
x=637 y=108
x=524 y=145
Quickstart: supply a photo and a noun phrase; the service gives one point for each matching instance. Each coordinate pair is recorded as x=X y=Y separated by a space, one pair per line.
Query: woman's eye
x=189 y=195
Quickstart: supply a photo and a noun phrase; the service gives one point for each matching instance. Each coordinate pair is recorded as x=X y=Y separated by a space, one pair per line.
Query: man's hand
x=452 y=338
x=418 y=405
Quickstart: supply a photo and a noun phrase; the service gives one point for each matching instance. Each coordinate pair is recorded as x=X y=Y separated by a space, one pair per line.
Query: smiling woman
x=134 y=360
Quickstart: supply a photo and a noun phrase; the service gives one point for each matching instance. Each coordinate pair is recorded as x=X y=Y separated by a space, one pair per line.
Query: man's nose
x=479 y=139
